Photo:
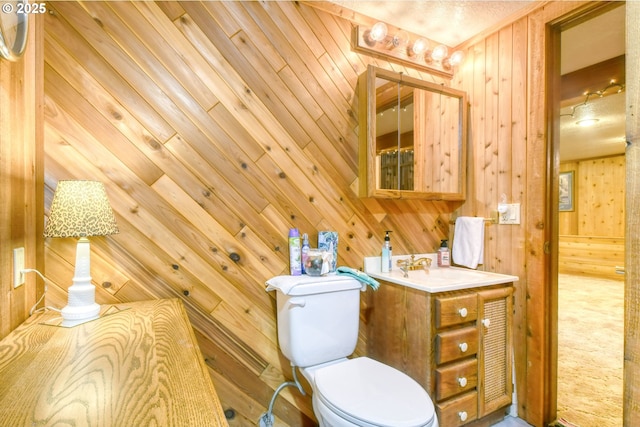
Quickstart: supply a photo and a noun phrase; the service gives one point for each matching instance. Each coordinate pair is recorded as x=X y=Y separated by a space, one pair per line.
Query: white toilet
x=318 y=320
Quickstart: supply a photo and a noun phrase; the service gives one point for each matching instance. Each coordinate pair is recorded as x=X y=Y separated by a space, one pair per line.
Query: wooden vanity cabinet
x=456 y=344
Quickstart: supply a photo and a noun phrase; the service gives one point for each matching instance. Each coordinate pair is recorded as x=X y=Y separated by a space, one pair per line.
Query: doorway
x=589 y=228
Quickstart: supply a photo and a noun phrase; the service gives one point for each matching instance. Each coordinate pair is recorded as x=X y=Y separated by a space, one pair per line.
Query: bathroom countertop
x=435 y=279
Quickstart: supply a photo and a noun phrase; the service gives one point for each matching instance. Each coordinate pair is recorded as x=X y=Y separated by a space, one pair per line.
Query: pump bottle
x=444 y=256
x=385 y=260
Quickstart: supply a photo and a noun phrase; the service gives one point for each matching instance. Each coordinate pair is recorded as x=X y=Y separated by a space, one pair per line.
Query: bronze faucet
x=413 y=264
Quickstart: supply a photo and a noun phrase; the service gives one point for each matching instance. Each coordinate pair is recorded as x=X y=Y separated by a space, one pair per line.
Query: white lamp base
x=81 y=306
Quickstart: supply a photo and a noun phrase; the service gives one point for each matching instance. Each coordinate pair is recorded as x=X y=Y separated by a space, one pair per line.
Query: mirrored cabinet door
x=414 y=138
x=437 y=139
x=394 y=136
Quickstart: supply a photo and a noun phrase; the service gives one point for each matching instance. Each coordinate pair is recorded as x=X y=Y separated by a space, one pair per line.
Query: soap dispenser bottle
x=385 y=261
x=444 y=258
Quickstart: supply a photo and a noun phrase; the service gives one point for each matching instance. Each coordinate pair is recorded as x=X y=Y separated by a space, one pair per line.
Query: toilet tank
x=318 y=317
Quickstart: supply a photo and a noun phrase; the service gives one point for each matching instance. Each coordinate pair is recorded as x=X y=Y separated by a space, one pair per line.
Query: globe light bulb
x=439 y=52
x=378 y=31
x=456 y=58
x=420 y=46
x=400 y=39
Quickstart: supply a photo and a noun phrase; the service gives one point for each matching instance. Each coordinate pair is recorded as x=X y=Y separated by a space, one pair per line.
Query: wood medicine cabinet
x=413 y=137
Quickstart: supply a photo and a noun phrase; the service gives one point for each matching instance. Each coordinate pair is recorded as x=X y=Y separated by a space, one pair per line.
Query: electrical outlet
x=511 y=215
x=18 y=266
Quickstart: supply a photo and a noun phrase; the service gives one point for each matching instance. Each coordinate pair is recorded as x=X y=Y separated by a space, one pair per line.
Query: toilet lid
x=375 y=393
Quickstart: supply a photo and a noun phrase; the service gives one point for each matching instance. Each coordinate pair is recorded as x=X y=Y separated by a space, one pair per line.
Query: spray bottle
x=295 y=260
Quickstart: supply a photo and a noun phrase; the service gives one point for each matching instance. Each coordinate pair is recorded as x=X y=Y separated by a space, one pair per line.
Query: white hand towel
x=286 y=283
x=468 y=241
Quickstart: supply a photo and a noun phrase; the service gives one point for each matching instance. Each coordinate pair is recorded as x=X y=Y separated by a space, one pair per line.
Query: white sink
x=435 y=279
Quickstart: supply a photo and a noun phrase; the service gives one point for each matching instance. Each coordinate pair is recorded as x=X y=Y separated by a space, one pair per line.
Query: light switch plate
x=511 y=216
x=18 y=266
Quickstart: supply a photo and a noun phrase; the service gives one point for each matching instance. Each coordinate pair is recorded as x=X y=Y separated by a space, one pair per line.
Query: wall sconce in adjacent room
x=398 y=45
x=80 y=209
x=587 y=122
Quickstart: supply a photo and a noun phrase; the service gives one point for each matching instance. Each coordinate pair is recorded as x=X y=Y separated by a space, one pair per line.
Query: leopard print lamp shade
x=80 y=209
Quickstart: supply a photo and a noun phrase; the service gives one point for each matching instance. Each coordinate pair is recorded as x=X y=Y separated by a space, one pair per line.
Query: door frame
x=631 y=416
x=631 y=373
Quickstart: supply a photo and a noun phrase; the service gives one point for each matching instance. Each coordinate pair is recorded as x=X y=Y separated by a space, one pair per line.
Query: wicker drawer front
x=458 y=411
x=456 y=344
x=456 y=379
x=455 y=310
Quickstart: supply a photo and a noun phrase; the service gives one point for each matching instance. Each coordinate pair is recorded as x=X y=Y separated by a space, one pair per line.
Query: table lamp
x=80 y=209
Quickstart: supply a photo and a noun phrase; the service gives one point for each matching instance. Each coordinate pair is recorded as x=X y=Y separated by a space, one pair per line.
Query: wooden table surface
x=140 y=366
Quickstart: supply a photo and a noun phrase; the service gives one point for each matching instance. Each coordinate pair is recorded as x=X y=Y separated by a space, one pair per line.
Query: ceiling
x=453 y=22
x=446 y=21
x=592 y=42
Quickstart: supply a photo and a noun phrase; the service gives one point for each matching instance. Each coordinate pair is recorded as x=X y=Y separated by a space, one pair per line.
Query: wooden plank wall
x=505 y=77
x=494 y=75
x=592 y=235
x=599 y=198
x=21 y=178
x=591 y=256
x=216 y=126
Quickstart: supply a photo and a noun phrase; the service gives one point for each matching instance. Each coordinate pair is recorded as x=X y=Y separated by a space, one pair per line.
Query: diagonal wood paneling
x=21 y=177
x=215 y=126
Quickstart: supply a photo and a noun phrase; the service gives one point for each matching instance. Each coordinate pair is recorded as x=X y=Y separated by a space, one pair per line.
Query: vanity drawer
x=454 y=310
x=458 y=411
x=456 y=344
x=456 y=379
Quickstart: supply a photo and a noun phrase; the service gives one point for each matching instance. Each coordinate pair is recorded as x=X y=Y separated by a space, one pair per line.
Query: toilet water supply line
x=267 y=419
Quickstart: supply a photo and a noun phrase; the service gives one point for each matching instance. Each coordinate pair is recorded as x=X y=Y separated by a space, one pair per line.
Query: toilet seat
x=367 y=392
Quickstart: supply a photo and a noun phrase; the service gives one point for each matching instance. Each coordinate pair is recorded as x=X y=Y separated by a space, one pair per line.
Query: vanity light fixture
x=404 y=47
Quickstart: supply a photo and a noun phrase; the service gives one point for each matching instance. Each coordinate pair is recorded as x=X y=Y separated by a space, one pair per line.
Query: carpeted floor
x=590 y=350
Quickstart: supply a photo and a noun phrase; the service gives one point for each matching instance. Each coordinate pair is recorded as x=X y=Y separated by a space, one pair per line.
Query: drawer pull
x=463 y=415
x=486 y=322
x=463 y=347
x=462 y=381
x=463 y=312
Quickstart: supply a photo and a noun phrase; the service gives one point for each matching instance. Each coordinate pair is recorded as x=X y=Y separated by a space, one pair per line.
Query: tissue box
x=328 y=240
